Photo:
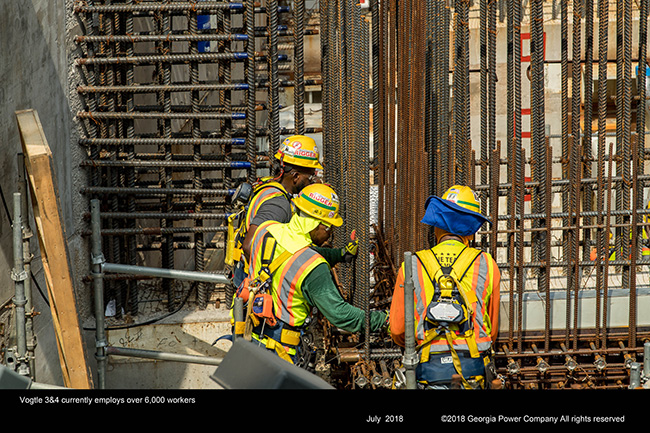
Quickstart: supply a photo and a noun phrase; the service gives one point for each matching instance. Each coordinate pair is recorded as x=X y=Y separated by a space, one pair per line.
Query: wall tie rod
x=156 y=191
x=95 y=115
x=159 y=141
x=156 y=89
x=166 y=215
x=159 y=38
x=158 y=7
x=170 y=58
x=163 y=230
x=156 y=164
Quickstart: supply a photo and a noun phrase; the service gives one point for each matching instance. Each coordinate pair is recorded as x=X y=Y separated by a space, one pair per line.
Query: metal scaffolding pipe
x=97 y=257
x=205 y=277
x=27 y=266
x=19 y=276
x=162 y=356
x=410 y=360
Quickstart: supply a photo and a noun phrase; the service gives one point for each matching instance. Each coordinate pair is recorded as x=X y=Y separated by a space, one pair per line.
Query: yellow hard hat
x=321 y=202
x=299 y=150
x=458 y=211
x=464 y=197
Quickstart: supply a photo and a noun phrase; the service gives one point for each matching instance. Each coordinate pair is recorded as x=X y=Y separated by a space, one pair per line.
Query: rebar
x=574 y=219
x=168 y=128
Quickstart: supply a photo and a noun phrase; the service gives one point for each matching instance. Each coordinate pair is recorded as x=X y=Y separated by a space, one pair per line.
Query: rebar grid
x=570 y=172
x=175 y=98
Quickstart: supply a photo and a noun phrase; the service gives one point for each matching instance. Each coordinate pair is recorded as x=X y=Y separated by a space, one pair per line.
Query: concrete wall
x=34 y=70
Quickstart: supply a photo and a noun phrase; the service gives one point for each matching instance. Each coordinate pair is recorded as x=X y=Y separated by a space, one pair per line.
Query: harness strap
x=272 y=344
x=250 y=316
x=287 y=337
x=456 y=360
x=239 y=233
x=468 y=298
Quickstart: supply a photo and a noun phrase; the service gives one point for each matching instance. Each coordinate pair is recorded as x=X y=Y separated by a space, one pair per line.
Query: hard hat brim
x=451 y=217
x=296 y=162
x=337 y=221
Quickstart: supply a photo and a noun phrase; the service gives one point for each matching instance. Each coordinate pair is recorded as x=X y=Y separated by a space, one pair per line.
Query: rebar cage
x=545 y=119
x=182 y=101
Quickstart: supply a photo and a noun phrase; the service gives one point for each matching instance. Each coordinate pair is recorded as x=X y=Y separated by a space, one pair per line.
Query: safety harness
x=259 y=304
x=238 y=222
x=450 y=314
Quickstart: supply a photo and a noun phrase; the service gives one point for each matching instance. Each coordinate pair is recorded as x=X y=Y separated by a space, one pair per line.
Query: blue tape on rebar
x=240 y=164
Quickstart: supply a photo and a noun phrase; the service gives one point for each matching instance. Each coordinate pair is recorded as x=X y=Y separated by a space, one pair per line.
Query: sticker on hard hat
x=321 y=199
x=296 y=145
x=304 y=153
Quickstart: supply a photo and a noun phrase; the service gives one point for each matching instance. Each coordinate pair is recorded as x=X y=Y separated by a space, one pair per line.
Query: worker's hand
x=349 y=252
x=386 y=326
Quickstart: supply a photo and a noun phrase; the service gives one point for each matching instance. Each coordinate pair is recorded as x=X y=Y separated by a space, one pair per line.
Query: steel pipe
x=410 y=359
x=19 y=276
x=162 y=356
x=97 y=257
x=205 y=277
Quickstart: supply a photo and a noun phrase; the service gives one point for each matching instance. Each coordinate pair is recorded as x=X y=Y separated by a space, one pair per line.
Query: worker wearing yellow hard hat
x=290 y=273
x=456 y=293
x=299 y=151
x=297 y=159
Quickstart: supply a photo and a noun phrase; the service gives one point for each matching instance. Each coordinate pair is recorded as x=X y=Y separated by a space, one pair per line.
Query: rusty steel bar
x=564 y=192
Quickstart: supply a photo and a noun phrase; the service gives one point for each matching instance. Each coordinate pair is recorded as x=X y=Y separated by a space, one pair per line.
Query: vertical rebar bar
x=299 y=63
x=251 y=140
x=461 y=93
x=132 y=291
x=272 y=59
x=602 y=239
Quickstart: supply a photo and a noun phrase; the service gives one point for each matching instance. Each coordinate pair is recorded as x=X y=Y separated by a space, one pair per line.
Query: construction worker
x=271 y=198
x=456 y=297
x=290 y=273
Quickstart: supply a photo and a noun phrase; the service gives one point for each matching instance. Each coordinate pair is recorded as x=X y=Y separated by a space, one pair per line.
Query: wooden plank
x=54 y=253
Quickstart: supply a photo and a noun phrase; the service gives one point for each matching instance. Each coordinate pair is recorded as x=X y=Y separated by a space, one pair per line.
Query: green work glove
x=349 y=252
x=386 y=326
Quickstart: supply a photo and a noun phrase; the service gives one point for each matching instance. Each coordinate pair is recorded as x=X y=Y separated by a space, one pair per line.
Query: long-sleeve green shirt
x=321 y=292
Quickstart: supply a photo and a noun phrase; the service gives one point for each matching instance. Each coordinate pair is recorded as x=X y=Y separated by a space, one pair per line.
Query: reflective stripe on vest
x=290 y=305
x=478 y=278
x=258 y=200
x=256 y=248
